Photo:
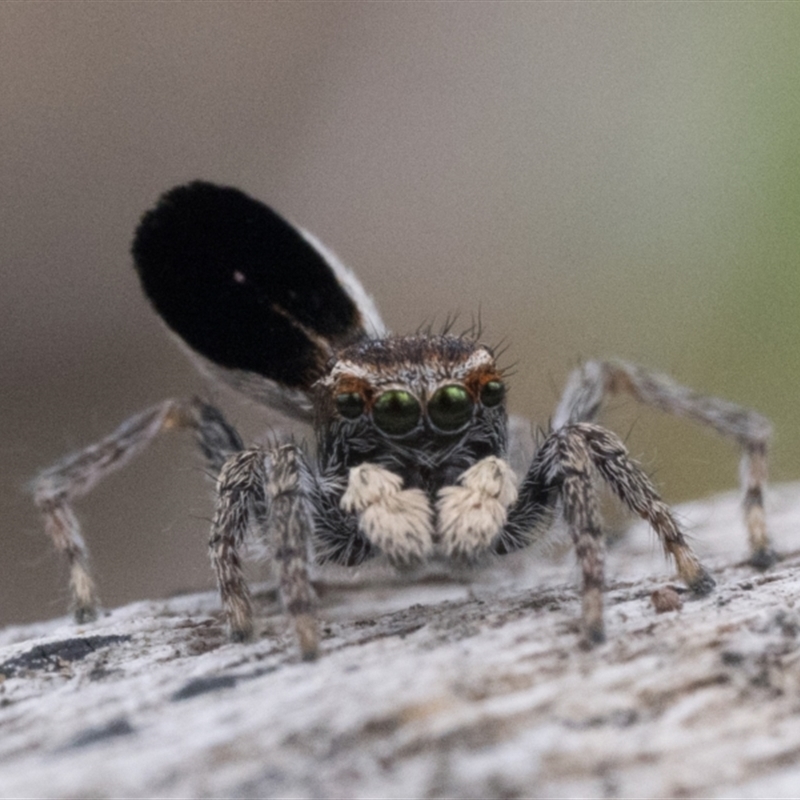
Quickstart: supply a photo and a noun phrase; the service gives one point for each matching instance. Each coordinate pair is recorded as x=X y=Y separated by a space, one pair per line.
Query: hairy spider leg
x=589 y=385
x=564 y=468
x=273 y=488
x=55 y=489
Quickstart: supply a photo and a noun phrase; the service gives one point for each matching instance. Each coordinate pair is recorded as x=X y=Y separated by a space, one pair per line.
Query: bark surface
x=433 y=688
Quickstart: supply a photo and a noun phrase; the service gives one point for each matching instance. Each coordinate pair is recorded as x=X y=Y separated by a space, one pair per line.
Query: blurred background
x=595 y=179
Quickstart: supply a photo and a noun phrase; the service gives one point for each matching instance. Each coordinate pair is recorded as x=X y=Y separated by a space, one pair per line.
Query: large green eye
x=492 y=393
x=396 y=412
x=350 y=405
x=450 y=408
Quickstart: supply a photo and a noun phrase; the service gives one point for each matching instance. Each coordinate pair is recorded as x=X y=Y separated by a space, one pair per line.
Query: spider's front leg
x=565 y=466
x=273 y=489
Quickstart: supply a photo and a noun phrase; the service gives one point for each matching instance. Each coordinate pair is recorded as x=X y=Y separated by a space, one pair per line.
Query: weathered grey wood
x=430 y=689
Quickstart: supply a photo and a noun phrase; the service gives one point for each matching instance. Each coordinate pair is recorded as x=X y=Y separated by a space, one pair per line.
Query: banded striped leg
x=589 y=385
x=271 y=488
x=55 y=489
x=568 y=459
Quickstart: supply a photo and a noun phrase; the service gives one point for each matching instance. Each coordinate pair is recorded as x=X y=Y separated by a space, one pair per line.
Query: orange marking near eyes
x=479 y=377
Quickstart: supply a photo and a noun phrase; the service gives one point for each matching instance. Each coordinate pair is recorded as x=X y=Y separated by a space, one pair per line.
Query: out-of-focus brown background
x=595 y=179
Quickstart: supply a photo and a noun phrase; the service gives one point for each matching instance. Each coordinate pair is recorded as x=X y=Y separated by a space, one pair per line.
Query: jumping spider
x=412 y=436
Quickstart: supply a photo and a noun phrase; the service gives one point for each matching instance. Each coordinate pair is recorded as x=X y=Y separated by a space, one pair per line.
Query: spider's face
x=424 y=400
x=412 y=385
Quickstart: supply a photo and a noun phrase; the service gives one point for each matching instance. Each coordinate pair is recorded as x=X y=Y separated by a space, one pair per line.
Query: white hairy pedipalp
x=472 y=513
x=398 y=521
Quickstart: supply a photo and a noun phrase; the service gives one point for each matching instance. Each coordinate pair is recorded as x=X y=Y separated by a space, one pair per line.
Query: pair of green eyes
x=397 y=411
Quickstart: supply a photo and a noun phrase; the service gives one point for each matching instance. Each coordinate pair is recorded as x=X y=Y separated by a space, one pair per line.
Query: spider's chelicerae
x=412 y=438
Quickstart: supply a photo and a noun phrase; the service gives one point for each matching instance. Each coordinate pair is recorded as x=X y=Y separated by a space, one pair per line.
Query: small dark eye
x=450 y=408
x=492 y=393
x=350 y=404
x=396 y=412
